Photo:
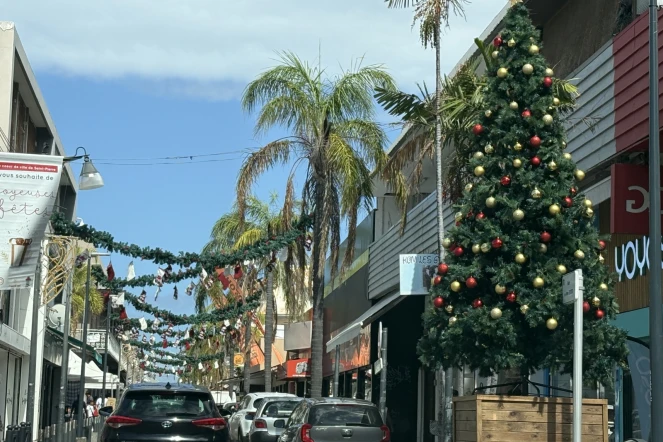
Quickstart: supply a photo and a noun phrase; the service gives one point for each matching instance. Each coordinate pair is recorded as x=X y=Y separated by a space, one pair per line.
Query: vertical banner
x=639 y=364
x=417 y=272
x=28 y=191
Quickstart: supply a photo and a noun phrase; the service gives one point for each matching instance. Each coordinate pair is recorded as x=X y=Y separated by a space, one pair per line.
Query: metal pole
x=32 y=368
x=64 y=371
x=119 y=373
x=337 y=363
x=383 y=377
x=577 y=365
x=655 y=308
x=80 y=422
x=103 y=385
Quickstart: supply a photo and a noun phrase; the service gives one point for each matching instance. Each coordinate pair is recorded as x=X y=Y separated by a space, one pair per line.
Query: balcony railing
x=96 y=339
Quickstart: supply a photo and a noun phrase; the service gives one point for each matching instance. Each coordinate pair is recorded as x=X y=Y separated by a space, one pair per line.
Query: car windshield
x=345 y=415
x=279 y=408
x=145 y=404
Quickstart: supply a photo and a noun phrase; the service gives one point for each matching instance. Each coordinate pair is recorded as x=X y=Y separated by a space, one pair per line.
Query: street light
x=90 y=178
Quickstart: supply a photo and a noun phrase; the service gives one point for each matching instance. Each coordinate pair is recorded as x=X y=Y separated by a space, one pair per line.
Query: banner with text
x=28 y=190
x=629 y=193
x=639 y=364
x=417 y=272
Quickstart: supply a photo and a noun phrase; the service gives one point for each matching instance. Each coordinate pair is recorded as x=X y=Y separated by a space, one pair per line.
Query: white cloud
x=196 y=47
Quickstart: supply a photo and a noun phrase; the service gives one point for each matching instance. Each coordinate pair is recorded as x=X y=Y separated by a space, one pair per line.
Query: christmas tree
x=521 y=224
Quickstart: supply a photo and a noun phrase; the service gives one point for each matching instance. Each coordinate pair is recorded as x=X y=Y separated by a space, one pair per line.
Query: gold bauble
x=561 y=269
x=468 y=186
x=489 y=113
x=478 y=155
x=536 y=193
x=517 y=163
x=579 y=254
x=543 y=248
x=554 y=209
x=589 y=213
x=579 y=174
x=601 y=259
x=495 y=54
x=520 y=258
x=528 y=69
x=567 y=156
x=603 y=286
x=491 y=202
x=511 y=43
x=453 y=320
x=476 y=248
x=489 y=149
x=548 y=72
x=551 y=324
x=524 y=308
x=479 y=171
x=446 y=242
x=485 y=247
x=496 y=313
x=502 y=72
x=518 y=147
x=500 y=289
x=534 y=49
x=518 y=215
x=588 y=203
x=547 y=119
x=455 y=286
x=556 y=101
x=449 y=309
x=552 y=165
x=538 y=282
x=596 y=301
x=513 y=105
x=459 y=216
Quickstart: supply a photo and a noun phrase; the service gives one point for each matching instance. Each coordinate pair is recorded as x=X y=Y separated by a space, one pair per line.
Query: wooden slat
x=540 y=406
x=466 y=416
x=525 y=416
x=543 y=437
x=466 y=426
x=466 y=406
x=466 y=436
x=540 y=427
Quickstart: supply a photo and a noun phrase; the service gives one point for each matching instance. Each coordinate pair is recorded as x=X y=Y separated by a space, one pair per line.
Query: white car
x=240 y=422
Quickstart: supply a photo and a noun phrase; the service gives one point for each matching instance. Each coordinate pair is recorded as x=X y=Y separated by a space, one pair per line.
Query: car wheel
x=243 y=438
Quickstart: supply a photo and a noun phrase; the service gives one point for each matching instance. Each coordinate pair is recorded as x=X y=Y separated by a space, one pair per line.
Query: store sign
x=28 y=190
x=629 y=209
x=631 y=259
x=417 y=272
x=298 y=368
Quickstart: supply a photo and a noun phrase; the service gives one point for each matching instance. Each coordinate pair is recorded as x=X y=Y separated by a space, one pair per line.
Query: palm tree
x=332 y=128
x=78 y=296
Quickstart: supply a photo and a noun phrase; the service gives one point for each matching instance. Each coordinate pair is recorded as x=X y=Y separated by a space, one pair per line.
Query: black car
x=163 y=412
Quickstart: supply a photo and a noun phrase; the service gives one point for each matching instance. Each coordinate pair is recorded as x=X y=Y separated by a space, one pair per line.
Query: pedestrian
x=99 y=403
x=67 y=414
x=90 y=409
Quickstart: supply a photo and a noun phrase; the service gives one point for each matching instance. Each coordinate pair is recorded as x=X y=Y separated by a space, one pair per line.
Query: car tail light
x=260 y=423
x=306 y=433
x=386 y=434
x=122 y=421
x=215 y=423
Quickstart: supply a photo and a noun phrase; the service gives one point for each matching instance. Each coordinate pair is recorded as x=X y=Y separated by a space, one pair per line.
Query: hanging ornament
x=520 y=258
x=547 y=119
x=485 y=247
x=189 y=288
x=131 y=271
x=500 y=289
x=455 y=286
x=502 y=72
x=308 y=243
x=535 y=161
x=495 y=54
x=589 y=213
x=497 y=243
x=123 y=313
x=511 y=296
x=517 y=147
x=505 y=181
x=453 y=320
x=175 y=293
x=567 y=201
x=586 y=307
x=437 y=280
x=442 y=268
x=167 y=273
x=538 y=282
x=587 y=203
x=554 y=209
x=518 y=215
x=533 y=49
x=142 y=297
x=110 y=271
x=158 y=279
x=490 y=202
x=449 y=309
x=535 y=141
x=602 y=244
x=561 y=268
x=477 y=303
x=596 y=301
x=480 y=216
x=579 y=254
x=477 y=129
x=476 y=248
x=238 y=272
x=551 y=324
x=511 y=43
x=471 y=282
x=458 y=251
x=573 y=190
x=601 y=259
x=497 y=41
x=446 y=243
x=513 y=105
x=488 y=113
x=547 y=82
x=552 y=165
x=517 y=163
x=459 y=216
x=478 y=155
x=164 y=344
x=536 y=193
x=556 y=101
x=489 y=149
x=438 y=302
x=599 y=314
x=479 y=171
x=528 y=69
x=548 y=72
x=496 y=313
x=563 y=144
x=526 y=113
x=524 y=308
x=468 y=187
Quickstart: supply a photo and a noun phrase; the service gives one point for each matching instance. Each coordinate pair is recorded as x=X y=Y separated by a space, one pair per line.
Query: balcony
x=96 y=339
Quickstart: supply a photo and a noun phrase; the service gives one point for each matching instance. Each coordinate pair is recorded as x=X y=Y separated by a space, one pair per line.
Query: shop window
x=5 y=301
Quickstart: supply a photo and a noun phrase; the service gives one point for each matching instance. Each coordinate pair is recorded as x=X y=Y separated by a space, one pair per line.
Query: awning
x=351 y=331
x=91 y=352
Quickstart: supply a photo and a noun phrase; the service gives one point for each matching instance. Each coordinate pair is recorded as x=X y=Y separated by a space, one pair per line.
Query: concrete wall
x=7 y=38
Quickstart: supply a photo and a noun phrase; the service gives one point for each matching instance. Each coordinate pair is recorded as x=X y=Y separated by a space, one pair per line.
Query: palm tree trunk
x=448 y=374
x=231 y=367
x=247 y=355
x=269 y=329
x=318 y=293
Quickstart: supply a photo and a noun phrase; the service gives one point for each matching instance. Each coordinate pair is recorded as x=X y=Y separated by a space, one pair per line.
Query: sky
x=135 y=81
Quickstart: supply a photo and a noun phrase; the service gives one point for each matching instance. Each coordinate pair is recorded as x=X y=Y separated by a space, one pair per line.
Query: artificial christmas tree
x=520 y=225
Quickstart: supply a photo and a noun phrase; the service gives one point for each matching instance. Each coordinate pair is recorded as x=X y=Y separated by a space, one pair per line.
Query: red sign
x=26 y=167
x=298 y=368
x=629 y=208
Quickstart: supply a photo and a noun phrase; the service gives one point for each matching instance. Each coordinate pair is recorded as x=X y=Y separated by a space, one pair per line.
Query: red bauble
x=497 y=42
x=585 y=306
x=477 y=303
x=602 y=244
x=477 y=129
x=471 y=282
x=480 y=215
x=547 y=82
x=505 y=181
x=497 y=243
x=536 y=161
x=458 y=251
x=443 y=268
x=545 y=237
x=526 y=113
x=599 y=314
x=511 y=297
x=438 y=302
x=437 y=280
x=535 y=141
x=573 y=190
x=568 y=202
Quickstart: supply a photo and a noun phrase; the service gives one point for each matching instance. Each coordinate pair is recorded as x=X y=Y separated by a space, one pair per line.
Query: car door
x=291 y=432
x=236 y=419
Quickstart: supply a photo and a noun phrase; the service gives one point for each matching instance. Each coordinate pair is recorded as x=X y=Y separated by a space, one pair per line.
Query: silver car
x=335 y=420
x=271 y=417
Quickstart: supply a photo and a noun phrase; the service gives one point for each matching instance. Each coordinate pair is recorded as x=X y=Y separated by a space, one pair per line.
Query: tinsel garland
x=106 y=241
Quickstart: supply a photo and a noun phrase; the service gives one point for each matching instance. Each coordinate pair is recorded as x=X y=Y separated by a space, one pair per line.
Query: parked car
x=158 y=412
x=227 y=409
x=335 y=419
x=240 y=422
x=271 y=417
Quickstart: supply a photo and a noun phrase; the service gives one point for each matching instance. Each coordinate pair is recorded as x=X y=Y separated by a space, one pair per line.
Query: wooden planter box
x=486 y=418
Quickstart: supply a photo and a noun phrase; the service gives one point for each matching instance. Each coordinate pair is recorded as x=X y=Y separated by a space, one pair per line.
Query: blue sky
x=161 y=78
